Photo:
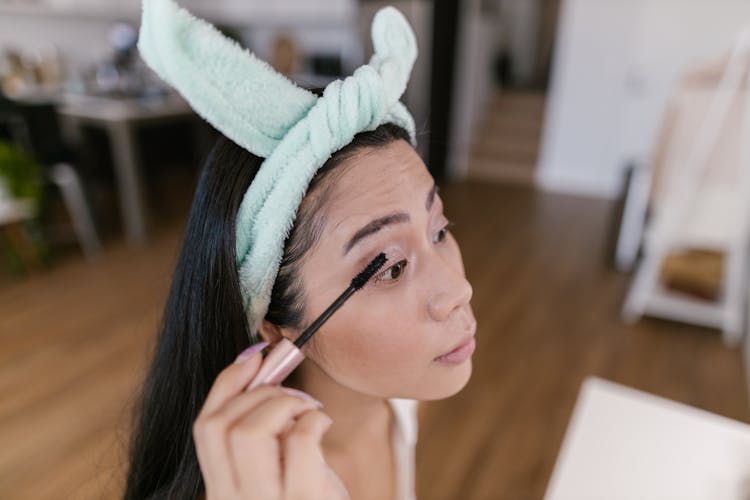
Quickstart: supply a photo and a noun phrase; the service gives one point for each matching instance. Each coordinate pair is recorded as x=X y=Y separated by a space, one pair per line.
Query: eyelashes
x=401 y=265
x=445 y=230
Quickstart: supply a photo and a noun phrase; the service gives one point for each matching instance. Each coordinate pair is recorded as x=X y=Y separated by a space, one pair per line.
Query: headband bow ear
x=241 y=95
x=394 y=51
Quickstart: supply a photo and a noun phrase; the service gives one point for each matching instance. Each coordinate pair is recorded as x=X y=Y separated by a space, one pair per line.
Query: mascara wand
x=357 y=283
x=286 y=355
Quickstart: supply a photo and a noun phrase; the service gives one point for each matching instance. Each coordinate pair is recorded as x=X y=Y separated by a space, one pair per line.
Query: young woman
x=345 y=424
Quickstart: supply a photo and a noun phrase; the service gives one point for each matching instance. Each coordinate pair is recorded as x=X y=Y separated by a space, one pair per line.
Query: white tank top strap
x=404 y=444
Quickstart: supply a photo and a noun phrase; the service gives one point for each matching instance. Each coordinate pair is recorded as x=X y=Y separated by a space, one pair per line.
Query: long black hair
x=204 y=326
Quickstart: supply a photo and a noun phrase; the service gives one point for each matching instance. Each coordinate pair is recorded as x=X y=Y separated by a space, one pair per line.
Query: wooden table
x=120 y=118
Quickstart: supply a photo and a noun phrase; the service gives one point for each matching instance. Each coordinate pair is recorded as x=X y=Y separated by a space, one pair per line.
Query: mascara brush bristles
x=374 y=266
x=358 y=282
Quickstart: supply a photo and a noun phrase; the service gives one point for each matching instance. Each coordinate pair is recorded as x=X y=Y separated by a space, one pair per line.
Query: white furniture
x=12 y=214
x=67 y=180
x=26 y=133
x=633 y=220
x=14 y=211
x=703 y=201
x=624 y=444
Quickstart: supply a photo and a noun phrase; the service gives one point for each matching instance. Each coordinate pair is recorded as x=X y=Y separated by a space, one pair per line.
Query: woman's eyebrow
x=431 y=197
x=376 y=225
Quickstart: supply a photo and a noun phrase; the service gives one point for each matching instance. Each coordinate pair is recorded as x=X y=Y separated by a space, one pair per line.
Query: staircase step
x=510 y=123
x=506 y=147
x=526 y=103
x=497 y=171
x=522 y=149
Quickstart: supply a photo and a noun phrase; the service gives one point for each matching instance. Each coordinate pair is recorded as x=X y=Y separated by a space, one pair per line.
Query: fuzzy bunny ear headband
x=267 y=114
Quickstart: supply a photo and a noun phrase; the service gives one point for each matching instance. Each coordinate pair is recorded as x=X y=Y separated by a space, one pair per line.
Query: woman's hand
x=262 y=444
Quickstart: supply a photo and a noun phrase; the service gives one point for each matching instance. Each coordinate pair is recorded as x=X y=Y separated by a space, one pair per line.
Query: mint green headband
x=267 y=114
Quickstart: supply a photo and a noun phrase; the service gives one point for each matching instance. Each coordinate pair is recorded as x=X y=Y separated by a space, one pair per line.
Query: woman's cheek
x=391 y=346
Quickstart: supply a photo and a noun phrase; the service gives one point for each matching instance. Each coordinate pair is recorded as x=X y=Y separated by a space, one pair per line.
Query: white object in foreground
x=624 y=444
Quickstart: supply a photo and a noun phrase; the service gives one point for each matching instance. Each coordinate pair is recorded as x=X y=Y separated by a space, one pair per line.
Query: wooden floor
x=74 y=342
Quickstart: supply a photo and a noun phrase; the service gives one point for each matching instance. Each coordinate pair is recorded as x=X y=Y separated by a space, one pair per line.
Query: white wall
x=614 y=67
x=79 y=27
x=81 y=40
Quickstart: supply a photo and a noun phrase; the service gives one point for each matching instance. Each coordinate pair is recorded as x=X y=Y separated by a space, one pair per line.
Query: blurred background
x=592 y=154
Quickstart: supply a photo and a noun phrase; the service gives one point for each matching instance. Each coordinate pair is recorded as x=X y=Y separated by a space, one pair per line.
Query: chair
x=703 y=200
x=35 y=128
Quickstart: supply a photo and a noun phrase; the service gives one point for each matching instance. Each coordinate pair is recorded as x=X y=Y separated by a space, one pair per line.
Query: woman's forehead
x=374 y=185
x=389 y=176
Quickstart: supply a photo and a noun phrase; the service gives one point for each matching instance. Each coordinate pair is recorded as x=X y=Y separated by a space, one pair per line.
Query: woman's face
x=387 y=338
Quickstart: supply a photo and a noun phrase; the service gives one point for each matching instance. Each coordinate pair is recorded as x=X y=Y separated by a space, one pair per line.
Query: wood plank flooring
x=75 y=340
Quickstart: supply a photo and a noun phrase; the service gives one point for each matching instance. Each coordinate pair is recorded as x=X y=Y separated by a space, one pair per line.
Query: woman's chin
x=454 y=378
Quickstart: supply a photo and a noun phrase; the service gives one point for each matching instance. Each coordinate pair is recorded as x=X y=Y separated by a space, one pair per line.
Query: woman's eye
x=393 y=272
x=444 y=232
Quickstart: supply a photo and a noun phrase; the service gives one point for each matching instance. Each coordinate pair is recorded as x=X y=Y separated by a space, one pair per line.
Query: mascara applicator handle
x=285 y=356
x=278 y=364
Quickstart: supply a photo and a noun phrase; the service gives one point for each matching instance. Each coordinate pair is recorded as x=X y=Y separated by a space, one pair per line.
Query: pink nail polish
x=247 y=353
x=303 y=395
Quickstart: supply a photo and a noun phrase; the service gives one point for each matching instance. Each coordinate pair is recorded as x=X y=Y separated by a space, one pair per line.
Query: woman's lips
x=464 y=349
x=459 y=354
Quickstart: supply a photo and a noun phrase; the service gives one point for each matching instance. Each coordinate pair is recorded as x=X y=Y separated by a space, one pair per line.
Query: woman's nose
x=453 y=291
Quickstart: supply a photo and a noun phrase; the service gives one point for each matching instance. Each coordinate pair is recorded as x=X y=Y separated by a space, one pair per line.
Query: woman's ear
x=270 y=333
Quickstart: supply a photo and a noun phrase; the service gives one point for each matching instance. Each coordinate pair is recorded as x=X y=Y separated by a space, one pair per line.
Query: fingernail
x=328 y=422
x=303 y=395
x=250 y=351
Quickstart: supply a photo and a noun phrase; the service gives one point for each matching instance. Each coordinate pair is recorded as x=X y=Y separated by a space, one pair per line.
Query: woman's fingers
x=210 y=427
x=241 y=437
x=234 y=378
x=210 y=432
x=237 y=407
x=209 y=435
x=254 y=441
x=251 y=424
x=304 y=469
